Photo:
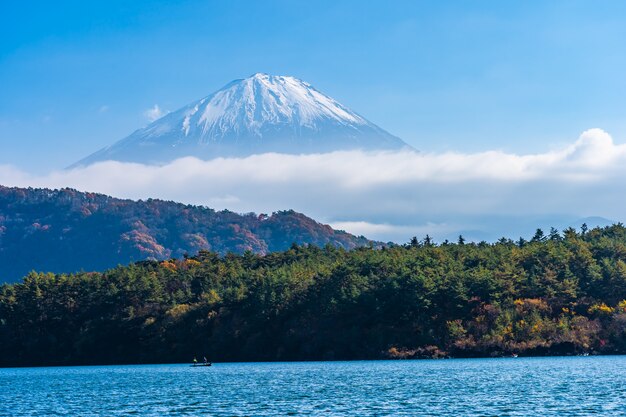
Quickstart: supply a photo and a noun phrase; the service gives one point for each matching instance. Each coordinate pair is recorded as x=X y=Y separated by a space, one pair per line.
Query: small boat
x=195 y=365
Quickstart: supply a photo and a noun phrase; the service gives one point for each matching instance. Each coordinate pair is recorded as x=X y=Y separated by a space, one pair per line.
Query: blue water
x=575 y=386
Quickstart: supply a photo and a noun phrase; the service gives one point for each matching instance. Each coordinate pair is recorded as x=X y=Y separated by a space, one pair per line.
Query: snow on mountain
x=259 y=114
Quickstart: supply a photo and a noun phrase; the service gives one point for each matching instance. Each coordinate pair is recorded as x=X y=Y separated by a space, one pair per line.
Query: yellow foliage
x=601 y=308
x=190 y=263
x=178 y=311
x=211 y=297
x=621 y=306
x=531 y=304
x=169 y=265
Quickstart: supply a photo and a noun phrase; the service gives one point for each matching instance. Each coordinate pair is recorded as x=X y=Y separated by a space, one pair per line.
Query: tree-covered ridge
x=66 y=231
x=556 y=294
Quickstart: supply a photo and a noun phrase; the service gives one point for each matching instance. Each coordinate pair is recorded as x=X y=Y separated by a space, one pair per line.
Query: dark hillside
x=67 y=230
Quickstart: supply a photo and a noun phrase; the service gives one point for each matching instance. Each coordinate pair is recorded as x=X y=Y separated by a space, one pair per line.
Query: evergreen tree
x=539 y=236
x=554 y=234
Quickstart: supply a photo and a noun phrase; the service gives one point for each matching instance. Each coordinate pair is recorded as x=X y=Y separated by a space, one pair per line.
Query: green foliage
x=561 y=294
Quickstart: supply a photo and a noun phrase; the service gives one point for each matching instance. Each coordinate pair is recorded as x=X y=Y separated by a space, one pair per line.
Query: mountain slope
x=66 y=230
x=259 y=114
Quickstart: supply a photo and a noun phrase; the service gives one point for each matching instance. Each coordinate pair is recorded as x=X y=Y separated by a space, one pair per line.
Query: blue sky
x=518 y=107
x=465 y=76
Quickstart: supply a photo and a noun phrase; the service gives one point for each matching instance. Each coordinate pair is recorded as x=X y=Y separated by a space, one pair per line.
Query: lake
x=561 y=386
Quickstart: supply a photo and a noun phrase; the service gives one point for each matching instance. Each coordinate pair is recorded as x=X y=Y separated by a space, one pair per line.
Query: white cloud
x=384 y=195
x=154 y=113
x=103 y=109
x=400 y=233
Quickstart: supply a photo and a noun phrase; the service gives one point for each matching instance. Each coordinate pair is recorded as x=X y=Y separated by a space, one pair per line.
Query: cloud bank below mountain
x=384 y=195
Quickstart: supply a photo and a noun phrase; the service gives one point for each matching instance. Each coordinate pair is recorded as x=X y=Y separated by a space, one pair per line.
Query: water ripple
x=500 y=387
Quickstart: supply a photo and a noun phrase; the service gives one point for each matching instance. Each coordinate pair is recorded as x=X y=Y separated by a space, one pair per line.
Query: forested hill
x=564 y=293
x=67 y=231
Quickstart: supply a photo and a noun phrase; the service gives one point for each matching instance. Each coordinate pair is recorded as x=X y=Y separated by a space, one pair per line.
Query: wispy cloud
x=154 y=113
x=384 y=195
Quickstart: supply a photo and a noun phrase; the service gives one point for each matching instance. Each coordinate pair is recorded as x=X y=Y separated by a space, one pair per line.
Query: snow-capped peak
x=249 y=104
x=258 y=114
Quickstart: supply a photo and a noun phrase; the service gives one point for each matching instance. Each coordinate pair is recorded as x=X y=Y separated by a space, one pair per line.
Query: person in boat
x=205 y=361
x=195 y=361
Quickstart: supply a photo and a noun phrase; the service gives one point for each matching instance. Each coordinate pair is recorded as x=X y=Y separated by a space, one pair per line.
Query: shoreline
x=455 y=358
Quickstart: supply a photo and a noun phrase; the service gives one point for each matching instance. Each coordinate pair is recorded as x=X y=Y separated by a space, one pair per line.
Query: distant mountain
x=66 y=230
x=592 y=222
x=259 y=114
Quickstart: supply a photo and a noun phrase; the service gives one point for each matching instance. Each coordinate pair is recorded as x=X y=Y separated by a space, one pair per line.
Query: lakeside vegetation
x=558 y=293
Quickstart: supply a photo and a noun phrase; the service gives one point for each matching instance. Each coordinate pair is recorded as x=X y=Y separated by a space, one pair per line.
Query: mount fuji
x=260 y=114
